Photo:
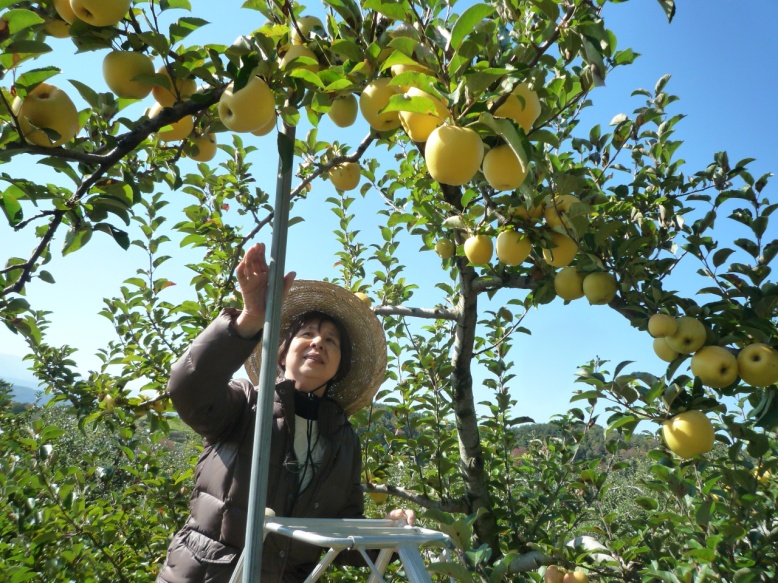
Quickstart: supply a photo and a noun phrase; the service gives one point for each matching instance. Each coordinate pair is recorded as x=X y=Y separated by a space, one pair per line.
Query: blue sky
x=723 y=58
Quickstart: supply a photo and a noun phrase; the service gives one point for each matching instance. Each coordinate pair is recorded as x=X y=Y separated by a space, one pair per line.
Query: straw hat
x=368 y=343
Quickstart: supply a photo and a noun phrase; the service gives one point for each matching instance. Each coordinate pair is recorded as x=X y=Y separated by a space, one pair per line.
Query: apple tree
x=473 y=146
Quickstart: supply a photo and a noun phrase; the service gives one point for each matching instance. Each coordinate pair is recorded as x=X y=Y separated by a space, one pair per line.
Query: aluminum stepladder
x=385 y=535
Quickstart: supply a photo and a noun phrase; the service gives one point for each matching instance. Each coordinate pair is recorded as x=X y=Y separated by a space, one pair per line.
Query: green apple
x=758 y=365
x=522 y=106
x=661 y=325
x=248 y=109
x=203 y=147
x=453 y=154
x=267 y=128
x=575 y=577
x=662 y=350
x=568 y=283
x=600 y=288
x=562 y=250
x=305 y=24
x=419 y=126
x=689 y=335
x=344 y=109
x=478 y=249
x=502 y=168
x=121 y=70
x=557 y=209
x=445 y=248
x=100 y=12
x=295 y=52
x=346 y=176
x=374 y=97
x=57 y=28
x=50 y=108
x=109 y=403
x=177 y=131
x=65 y=11
x=512 y=247
x=364 y=298
x=689 y=434
x=715 y=366
x=179 y=90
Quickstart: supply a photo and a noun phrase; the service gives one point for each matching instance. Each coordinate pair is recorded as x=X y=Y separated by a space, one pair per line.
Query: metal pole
x=251 y=559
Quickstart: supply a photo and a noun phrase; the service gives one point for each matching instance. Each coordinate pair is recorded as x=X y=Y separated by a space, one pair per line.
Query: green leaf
x=27 y=80
x=11 y=206
x=121 y=237
x=19 y=19
x=394 y=9
x=90 y=95
x=507 y=131
x=467 y=22
x=669 y=7
x=185 y=26
x=77 y=238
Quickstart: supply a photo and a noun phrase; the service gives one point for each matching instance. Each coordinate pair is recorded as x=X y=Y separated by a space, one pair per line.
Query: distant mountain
x=24 y=394
x=23 y=385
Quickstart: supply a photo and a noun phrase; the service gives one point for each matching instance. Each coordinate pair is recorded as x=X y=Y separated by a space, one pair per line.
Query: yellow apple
x=557 y=210
x=522 y=106
x=689 y=335
x=373 y=99
x=305 y=24
x=758 y=365
x=121 y=68
x=180 y=90
x=453 y=154
x=344 y=109
x=562 y=251
x=267 y=128
x=445 y=248
x=662 y=350
x=203 y=147
x=575 y=577
x=178 y=130
x=400 y=68
x=57 y=28
x=419 y=126
x=502 y=168
x=478 y=249
x=65 y=11
x=715 y=366
x=295 y=52
x=661 y=325
x=46 y=107
x=600 y=288
x=109 y=404
x=568 y=283
x=100 y=12
x=531 y=214
x=553 y=574
x=364 y=298
x=512 y=247
x=689 y=434
x=248 y=109
x=346 y=176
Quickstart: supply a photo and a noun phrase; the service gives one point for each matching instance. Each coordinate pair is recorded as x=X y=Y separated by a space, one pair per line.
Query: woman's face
x=313 y=356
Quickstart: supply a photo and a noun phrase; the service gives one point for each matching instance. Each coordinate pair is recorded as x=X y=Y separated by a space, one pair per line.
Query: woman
x=331 y=360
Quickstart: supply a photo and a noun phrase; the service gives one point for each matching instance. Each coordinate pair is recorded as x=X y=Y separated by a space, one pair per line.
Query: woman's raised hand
x=253 y=279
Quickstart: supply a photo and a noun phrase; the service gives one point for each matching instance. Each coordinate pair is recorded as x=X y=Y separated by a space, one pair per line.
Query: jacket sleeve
x=201 y=386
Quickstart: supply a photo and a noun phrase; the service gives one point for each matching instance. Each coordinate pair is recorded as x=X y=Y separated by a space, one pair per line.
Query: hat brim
x=368 y=342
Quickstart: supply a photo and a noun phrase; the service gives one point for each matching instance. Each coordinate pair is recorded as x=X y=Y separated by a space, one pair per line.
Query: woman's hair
x=315 y=316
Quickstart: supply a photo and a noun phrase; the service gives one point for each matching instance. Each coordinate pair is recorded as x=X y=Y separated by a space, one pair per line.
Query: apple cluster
x=716 y=366
x=555 y=574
